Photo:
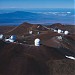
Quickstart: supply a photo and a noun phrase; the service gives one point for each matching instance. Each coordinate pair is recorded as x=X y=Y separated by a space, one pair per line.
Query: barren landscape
x=22 y=57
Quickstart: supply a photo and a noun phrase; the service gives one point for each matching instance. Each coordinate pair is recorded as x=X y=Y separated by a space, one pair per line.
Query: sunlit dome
x=1 y=36
x=55 y=30
x=11 y=39
x=37 y=42
x=66 y=32
x=59 y=31
x=30 y=32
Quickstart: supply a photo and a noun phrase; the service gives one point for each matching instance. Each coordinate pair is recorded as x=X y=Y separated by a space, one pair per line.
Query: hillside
x=4 y=29
x=22 y=57
x=18 y=17
x=24 y=28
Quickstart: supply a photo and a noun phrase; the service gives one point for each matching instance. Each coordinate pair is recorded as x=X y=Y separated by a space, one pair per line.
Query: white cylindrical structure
x=1 y=36
x=59 y=31
x=37 y=42
x=66 y=32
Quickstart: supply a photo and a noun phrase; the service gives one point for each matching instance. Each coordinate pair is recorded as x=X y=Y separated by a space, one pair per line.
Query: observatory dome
x=37 y=42
x=30 y=32
x=66 y=32
x=1 y=36
x=59 y=31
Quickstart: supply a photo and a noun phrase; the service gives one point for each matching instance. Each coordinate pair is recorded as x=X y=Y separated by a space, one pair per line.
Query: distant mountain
x=18 y=17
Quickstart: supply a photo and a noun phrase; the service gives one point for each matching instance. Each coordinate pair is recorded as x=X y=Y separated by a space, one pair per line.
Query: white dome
x=37 y=42
x=13 y=37
x=55 y=30
x=1 y=36
x=59 y=31
x=30 y=32
x=66 y=32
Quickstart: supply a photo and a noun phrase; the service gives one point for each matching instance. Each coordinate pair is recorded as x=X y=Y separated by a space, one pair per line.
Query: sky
x=37 y=4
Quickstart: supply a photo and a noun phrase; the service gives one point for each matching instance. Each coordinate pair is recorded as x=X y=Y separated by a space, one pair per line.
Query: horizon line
x=36 y=8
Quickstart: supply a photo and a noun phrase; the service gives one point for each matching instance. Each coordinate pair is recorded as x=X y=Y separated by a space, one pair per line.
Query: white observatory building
x=1 y=36
x=11 y=39
x=59 y=31
x=30 y=32
x=55 y=30
x=37 y=42
x=66 y=32
x=59 y=37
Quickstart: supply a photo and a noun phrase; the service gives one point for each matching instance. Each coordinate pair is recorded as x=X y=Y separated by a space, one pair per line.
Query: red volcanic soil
x=22 y=59
x=70 y=28
x=47 y=59
x=71 y=37
x=20 y=30
x=57 y=25
x=16 y=59
x=24 y=29
x=4 y=29
x=53 y=42
x=44 y=36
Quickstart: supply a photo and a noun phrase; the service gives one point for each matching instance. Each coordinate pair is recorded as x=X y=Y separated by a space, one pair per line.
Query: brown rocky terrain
x=4 y=29
x=70 y=28
x=23 y=58
x=24 y=29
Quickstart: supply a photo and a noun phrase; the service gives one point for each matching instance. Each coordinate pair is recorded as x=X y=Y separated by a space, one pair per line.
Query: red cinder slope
x=20 y=30
x=16 y=59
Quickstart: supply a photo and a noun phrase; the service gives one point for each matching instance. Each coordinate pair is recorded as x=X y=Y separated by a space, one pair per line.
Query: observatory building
x=66 y=32
x=1 y=36
x=37 y=42
x=59 y=31
x=11 y=39
x=59 y=37
x=55 y=30
x=30 y=32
